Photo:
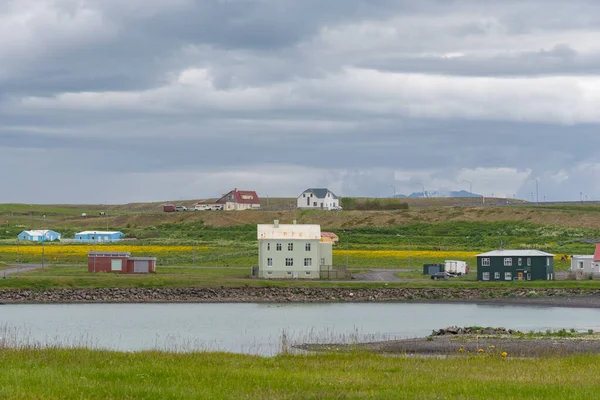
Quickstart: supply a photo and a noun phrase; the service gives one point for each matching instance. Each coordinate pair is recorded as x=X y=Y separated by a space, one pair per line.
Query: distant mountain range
x=460 y=193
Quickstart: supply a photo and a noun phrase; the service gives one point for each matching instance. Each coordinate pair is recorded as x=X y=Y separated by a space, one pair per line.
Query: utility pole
x=423 y=186
x=347 y=246
x=408 y=238
x=537 y=196
x=393 y=187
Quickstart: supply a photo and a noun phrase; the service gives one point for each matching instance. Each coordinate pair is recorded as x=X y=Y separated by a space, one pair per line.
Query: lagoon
x=259 y=328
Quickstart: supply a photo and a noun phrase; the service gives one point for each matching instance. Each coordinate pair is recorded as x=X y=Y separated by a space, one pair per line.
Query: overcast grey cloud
x=162 y=100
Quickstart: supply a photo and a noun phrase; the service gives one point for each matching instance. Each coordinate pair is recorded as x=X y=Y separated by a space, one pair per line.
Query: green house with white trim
x=515 y=265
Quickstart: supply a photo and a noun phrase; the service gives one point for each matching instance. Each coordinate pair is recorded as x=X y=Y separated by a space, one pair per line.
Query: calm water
x=257 y=328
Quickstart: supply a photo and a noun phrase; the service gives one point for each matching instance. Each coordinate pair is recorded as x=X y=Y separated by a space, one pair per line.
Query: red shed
x=120 y=263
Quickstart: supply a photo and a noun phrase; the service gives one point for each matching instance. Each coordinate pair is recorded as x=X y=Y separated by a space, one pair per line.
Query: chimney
x=294 y=222
x=276 y=223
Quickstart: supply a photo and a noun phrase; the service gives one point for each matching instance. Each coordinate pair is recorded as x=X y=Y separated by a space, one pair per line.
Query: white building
x=584 y=263
x=322 y=199
x=292 y=251
x=39 y=235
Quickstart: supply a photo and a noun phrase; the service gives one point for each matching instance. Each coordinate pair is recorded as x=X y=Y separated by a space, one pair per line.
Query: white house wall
x=278 y=268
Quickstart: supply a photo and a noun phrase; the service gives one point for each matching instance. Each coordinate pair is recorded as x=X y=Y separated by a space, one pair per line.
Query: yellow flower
x=461 y=349
x=405 y=253
x=491 y=347
x=480 y=351
x=504 y=354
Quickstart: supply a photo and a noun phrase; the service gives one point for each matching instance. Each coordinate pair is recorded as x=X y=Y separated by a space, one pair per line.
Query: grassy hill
x=428 y=224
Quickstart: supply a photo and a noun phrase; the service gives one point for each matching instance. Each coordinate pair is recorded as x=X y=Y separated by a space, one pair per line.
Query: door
x=520 y=275
x=140 y=267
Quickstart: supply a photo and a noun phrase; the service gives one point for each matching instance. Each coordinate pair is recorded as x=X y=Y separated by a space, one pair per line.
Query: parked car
x=441 y=275
x=337 y=208
x=180 y=208
x=202 y=207
x=168 y=208
x=217 y=208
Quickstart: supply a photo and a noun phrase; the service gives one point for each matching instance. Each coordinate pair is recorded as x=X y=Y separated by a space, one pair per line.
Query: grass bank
x=68 y=374
x=64 y=277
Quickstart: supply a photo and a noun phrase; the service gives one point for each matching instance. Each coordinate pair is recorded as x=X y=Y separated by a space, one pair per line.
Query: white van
x=201 y=207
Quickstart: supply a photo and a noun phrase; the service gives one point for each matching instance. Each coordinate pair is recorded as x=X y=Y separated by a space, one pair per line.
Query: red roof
x=329 y=234
x=240 y=196
x=597 y=252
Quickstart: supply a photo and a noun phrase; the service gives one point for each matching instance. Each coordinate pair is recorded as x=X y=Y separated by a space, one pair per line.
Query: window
x=508 y=262
x=116 y=265
x=278 y=247
x=580 y=264
x=269 y=272
x=308 y=262
x=528 y=277
x=323 y=261
x=268 y=246
x=290 y=246
x=269 y=262
x=485 y=276
x=485 y=262
x=311 y=195
x=547 y=261
x=307 y=247
x=303 y=194
x=496 y=275
x=520 y=261
x=289 y=273
x=307 y=273
x=289 y=262
x=314 y=204
x=508 y=276
x=529 y=262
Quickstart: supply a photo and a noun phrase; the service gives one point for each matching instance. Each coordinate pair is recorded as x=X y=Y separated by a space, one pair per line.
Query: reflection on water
x=259 y=328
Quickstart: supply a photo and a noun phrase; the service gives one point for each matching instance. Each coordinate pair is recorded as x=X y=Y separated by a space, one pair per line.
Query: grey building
x=292 y=251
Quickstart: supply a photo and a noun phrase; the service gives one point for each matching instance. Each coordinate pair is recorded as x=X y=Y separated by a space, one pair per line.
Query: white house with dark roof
x=318 y=199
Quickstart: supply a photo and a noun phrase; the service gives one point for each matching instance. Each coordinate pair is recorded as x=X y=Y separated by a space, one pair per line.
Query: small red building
x=120 y=263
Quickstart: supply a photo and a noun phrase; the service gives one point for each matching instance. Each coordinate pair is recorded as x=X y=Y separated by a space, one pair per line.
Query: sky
x=111 y=101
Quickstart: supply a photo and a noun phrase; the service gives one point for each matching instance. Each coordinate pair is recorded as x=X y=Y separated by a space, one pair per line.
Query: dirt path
x=380 y=275
x=18 y=268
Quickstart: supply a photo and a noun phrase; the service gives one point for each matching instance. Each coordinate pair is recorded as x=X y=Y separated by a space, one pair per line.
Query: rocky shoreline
x=455 y=341
x=542 y=297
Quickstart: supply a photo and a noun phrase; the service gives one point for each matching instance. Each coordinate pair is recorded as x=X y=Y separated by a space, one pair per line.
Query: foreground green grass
x=86 y=374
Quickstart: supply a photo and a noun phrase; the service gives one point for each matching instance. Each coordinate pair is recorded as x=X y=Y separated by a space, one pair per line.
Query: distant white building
x=322 y=199
x=39 y=235
x=587 y=264
x=584 y=263
x=99 y=236
x=292 y=251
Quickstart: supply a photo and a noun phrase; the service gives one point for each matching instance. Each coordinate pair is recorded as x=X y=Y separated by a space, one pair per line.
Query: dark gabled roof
x=320 y=193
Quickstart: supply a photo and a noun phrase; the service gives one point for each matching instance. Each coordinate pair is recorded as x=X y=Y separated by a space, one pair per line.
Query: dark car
x=441 y=275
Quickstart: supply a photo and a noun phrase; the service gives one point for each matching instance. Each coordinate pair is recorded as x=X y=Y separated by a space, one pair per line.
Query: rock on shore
x=567 y=297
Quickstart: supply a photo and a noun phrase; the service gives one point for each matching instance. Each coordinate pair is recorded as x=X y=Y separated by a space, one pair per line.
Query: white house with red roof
x=238 y=200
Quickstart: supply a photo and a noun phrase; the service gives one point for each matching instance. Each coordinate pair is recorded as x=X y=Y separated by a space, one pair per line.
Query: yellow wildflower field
x=405 y=253
x=82 y=250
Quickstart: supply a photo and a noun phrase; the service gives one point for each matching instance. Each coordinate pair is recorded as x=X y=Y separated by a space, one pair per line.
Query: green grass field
x=87 y=374
x=56 y=277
